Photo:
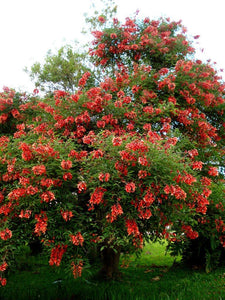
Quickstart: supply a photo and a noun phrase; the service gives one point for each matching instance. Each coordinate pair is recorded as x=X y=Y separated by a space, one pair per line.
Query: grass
x=152 y=276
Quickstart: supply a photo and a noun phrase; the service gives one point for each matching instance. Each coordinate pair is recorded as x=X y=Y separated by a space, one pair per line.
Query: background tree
x=60 y=71
x=63 y=69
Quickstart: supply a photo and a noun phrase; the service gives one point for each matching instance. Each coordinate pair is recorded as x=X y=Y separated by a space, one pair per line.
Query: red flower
x=84 y=79
x=17 y=193
x=35 y=91
x=81 y=186
x=117 y=141
x=142 y=161
x=5 y=234
x=116 y=210
x=101 y=19
x=213 y=171
x=15 y=113
x=130 y=187
x=27 y=153
x=3 y=281
x=3 y=118
x=66 y=164
x=56 y=255
x=39 y=170
x=100 y=124
x=175 y=191
x=97 y=153
x=60 y=94
x=119 y=166
x=172 y=100
x=189 y=179
x=77 y=269
x=193 y=153
x=206 y=181
x=145 y=214
x=132 y=227
x=3 y=267
x=113 y=35
x=67 y=215
x=67 y=176
x=142 y=174
x=47 y=182
x=77 y=239
x=32 y=190
x=149 y=198
x=190 y=233
x=104 y=177
x=25 y=214
x=197 y=165
x=97 y=195
x=135 y=89
x=47 y=196
x=41 y=225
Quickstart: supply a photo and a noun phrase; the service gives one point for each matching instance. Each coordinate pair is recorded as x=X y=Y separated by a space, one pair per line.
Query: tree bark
x=110 y=263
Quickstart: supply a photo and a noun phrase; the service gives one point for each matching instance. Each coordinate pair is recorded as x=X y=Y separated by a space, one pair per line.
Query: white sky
x=29 y=28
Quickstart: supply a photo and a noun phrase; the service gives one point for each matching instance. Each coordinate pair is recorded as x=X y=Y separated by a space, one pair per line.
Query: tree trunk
x=110 y=263
x=36 y=246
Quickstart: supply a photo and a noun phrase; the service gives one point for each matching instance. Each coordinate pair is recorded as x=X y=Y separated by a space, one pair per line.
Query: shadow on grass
x=152 y=276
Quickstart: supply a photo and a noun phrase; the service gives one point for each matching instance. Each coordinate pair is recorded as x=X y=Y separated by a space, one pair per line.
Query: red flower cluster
x=3 y=266
x=175 y=191
x=132 y=227
x=77 y=239
x=66 y=164
x=25 y=214
x=213 y=171
x=5 y=234
x=41 y=225
x=190 y=233
x=104 y=177
x=84 y=79
x=97 y=196
x=116 y=210
x=39 y=170
x=47 y=196
x=130 y=187
x=82 y=186
x=67 y=215
x=197 y=165
x=3 y=281
x=117 y=141
x=77 y=269
x=57 y=254
x=26 y=152
x=67 y=176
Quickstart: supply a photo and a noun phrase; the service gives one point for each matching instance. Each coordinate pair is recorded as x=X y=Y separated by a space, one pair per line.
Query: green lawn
x=152 y=276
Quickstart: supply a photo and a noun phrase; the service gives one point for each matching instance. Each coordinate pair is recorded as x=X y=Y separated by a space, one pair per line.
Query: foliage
x=133 y=158
x=152 y=276
x=59 y=71
x=207 y=250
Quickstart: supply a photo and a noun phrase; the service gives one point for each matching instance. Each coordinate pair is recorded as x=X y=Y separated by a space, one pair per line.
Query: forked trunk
x=110 y=263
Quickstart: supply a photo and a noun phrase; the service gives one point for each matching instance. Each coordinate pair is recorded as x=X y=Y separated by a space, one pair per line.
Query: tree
x=117 y=164
x=199 y=108
x=60 y=71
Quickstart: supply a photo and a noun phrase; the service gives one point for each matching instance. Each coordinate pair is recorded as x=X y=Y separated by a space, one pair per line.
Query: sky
x=29 y=28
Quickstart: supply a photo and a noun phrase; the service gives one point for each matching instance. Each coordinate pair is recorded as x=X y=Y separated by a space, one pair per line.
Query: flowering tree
x=196 y=95
x=113 y=165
